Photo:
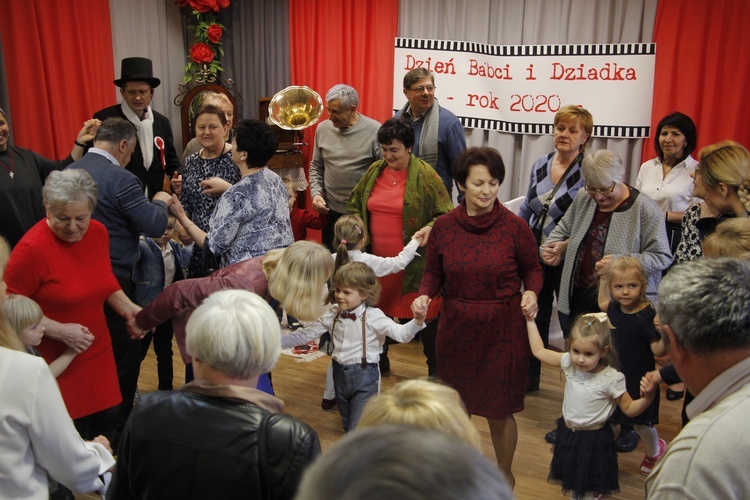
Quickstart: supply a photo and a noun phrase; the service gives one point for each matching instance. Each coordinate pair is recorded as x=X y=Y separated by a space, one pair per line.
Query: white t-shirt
x=589 y=398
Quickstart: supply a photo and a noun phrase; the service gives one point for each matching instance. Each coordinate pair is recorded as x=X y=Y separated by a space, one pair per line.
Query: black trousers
x=327 y=231
x=127 y=357
x=162 y=338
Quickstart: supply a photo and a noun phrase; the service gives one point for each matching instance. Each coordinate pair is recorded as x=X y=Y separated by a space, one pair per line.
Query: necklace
x=394 y=178
x=204 y=153
x=10 y=170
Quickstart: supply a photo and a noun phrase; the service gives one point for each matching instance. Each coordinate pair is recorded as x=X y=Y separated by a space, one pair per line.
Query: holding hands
x=419 y=308
x=77 y=337
x=602 y=266
x=422 y=235
x=553 y=253
x=529 y=305
x=319 y=204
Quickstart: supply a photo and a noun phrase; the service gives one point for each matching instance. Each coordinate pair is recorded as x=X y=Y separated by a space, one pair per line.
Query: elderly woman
x=63 y=264
x=38 y=437
x=218 y=437
x=482 y=254
x=293 y=278
x=608 y=218
x=212 y=160
x=555 y=181
x=222 y=102
x=23 y=173
x=251 y=217
x=398 y=196
x=666 y=179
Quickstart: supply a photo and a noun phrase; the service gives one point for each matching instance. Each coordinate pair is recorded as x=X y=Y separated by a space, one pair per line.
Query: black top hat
x=137 y=69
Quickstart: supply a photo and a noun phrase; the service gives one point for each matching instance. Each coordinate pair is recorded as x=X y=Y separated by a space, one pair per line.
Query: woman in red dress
x=482 y=254
x=63 y=263
x=397 y=197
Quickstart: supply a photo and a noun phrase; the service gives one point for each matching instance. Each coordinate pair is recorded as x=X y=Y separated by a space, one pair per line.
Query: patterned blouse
x=690 y=244
x=251 y=218
x=199 y=206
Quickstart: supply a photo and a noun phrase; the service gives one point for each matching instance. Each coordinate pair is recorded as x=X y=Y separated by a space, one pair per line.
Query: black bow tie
x=348 y=315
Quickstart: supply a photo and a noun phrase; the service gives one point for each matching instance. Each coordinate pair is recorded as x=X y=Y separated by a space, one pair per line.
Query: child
x=302 y=219
x=162 y=261
x=585 y=457
x=24 y=316
x=622 y=295
x=349 y=237
x=358 y=333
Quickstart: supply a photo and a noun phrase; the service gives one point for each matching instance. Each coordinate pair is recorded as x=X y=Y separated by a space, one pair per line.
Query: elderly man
x=126 y=213
x=704 y=308
x=219 y=436
x=345 y=146
x=439 y=135
x=154 y=155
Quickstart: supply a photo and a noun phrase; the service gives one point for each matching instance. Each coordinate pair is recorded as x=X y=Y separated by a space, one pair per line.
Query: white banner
x=519 y=88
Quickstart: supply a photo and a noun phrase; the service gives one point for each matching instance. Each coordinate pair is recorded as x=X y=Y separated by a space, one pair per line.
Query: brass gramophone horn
x=295 y=108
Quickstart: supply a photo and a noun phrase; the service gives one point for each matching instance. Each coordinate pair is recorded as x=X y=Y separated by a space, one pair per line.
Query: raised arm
x=541 y=353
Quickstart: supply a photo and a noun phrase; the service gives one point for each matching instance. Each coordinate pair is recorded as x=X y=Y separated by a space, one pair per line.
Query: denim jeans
x=354 y=386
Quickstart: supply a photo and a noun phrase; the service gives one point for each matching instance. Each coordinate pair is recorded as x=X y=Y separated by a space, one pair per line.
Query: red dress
x=71 y=282
x=386 y=208
x=482 y=345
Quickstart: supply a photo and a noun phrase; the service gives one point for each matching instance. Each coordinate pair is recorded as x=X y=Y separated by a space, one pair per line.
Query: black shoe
x=627 y=441
x=551 y=436
x=674 y=395
x=327 y=404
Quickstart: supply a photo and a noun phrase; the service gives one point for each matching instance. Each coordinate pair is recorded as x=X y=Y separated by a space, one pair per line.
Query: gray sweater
x=637 y=230
x=340 y=159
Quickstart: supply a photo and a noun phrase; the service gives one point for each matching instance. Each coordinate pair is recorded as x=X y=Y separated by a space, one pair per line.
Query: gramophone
x=294 y=109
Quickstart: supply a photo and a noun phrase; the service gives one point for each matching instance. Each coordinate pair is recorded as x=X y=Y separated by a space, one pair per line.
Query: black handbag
x=211 y=262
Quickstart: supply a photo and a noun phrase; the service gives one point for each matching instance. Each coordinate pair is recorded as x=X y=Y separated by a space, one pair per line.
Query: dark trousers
x=582 y=301
x=550 y=289
x=327 y=231
x=162 y=338
x=101 y=423
x=355 y=385
x=127 y=357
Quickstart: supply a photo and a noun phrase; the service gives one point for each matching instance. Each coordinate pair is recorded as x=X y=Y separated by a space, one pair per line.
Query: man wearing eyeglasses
x=439 y=135
x=137 y=85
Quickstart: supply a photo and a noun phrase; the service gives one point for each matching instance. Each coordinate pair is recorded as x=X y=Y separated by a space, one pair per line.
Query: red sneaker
x=649 y=462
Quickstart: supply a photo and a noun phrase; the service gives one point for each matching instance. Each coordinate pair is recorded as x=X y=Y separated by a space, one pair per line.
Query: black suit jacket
x=153 y=178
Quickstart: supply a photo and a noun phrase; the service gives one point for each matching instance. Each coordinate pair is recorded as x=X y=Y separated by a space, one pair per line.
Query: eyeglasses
x=138 y=92
x=429 y=88
x=595 y=191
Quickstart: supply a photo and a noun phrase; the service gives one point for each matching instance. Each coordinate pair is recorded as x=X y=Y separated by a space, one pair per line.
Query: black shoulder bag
x=538 y=228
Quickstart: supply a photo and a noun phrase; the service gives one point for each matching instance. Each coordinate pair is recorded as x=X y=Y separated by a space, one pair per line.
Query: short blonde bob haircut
x=21 y=312
x=236 y=333
x=572 y=113
x=297 y=276
x=422 y=403
x=601 y=168
x=730 y=239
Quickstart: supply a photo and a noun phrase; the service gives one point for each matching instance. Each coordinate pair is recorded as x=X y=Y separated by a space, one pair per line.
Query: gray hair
x=64 y=187
x=113 y=130
x=601 y=168
x=236 y=333
x=345 y=93
x=404 y=462
x=417 y=74
x=706 y=302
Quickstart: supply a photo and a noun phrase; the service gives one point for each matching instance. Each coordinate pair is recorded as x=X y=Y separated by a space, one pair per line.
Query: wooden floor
x=300 y=385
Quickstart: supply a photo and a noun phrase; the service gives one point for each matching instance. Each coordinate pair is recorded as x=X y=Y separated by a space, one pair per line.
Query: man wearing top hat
x=137 y=85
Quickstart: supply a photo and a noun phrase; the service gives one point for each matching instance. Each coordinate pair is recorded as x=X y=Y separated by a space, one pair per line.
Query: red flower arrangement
x=203 y=62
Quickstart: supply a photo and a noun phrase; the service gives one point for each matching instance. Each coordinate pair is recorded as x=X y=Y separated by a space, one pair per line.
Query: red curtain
x=702 y=67
x=344 y=41
x=59 y=65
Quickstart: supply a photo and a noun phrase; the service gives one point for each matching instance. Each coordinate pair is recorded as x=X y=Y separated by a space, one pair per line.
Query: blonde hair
x=572 y=113
x=236 y=333
x=628 y=264
x=730 y=239
x=8 y=337
x=727 y=162
x=348 y=233
x=297 y=276
x=359 y=276
x=595 y=326
x=422 y=403
x=21 y=312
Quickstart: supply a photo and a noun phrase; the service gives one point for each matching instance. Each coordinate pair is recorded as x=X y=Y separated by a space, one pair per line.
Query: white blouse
x=672 y=193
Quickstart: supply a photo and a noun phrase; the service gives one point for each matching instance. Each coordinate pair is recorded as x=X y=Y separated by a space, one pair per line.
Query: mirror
x=191 y=100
